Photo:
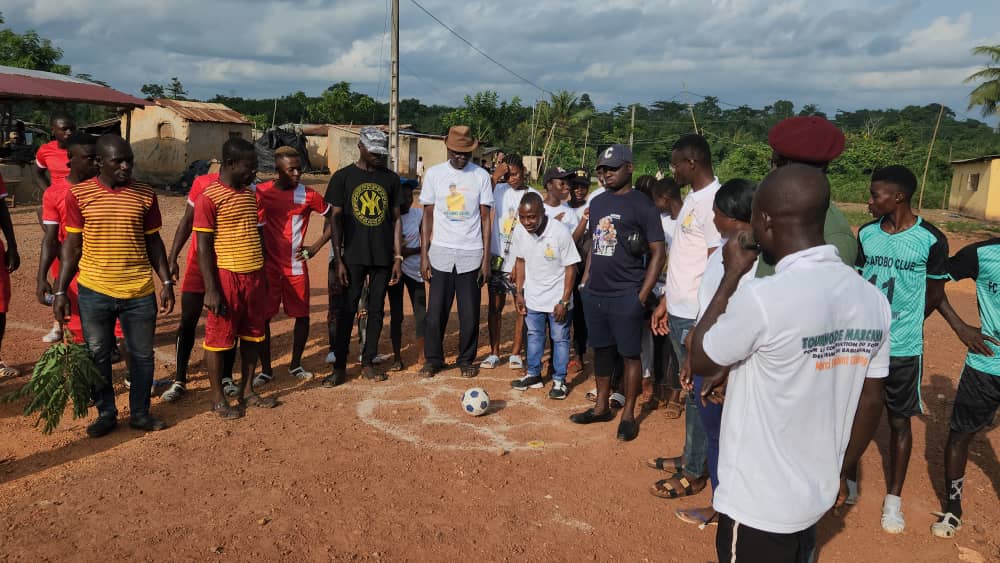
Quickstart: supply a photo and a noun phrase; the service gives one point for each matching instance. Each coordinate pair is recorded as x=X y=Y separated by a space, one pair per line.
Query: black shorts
x=902 y=387
x=501 y=283
x=741 y=543
x=615 y=321
x=976 y=401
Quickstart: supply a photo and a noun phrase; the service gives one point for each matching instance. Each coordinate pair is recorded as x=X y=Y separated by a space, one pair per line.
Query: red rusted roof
x=203 y=111
x=22 y=84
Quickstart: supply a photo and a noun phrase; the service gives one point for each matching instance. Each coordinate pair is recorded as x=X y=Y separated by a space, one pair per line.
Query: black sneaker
x=627 y=430
x=588 y=417
x=102 y=426
x=369 y=372
x=336 y=378
x=147 y=423
x=558 y=390
x=528 y=382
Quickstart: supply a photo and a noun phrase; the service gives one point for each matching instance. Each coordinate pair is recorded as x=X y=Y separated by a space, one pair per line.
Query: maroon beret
x=807 y=138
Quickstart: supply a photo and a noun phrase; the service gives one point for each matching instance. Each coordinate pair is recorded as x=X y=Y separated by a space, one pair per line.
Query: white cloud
x=837 y=54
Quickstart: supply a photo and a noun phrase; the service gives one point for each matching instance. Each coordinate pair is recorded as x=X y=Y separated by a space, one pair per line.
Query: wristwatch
x=564 y=303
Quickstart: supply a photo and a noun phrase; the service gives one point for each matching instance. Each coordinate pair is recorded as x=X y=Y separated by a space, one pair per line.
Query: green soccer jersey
x=900 y=264
x=981 y=262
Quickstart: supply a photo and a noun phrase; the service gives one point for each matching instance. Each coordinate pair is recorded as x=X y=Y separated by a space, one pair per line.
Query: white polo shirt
x=545 y=259
x=456 y=196
x=694 y=235
x=568 y=215
x=802 y=343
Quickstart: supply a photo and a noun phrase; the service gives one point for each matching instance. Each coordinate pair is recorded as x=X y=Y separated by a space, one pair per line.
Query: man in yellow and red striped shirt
x=113 y=239
x=228 y=223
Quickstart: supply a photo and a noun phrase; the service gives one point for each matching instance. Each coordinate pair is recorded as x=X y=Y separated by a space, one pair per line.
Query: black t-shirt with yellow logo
x=367 y=199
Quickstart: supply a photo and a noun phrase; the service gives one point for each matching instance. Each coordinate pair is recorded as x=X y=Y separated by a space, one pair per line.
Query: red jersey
x=54 y=159
x=54 y=206
x=286 y=218
x=197 y=188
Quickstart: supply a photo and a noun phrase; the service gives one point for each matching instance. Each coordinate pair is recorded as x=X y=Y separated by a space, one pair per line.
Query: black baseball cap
x=580 y=177
x=556 y=172
x=614 y=156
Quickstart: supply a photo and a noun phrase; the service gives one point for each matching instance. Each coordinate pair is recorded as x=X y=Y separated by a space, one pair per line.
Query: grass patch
x=968 y=227
x=857 y=218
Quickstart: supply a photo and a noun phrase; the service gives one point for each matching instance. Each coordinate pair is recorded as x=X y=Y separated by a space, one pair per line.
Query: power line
x=478 y=50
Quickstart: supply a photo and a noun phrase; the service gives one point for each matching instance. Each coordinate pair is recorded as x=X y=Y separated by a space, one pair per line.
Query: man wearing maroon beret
x=814 y=141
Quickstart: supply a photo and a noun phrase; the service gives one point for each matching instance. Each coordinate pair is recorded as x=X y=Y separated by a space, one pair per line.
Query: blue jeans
x=535 y=322
x=711 y=421
x=98 y=313
x=695 y=440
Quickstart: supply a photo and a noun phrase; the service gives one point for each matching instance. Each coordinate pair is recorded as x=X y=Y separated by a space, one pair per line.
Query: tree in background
x=173 y=91
x=338 y=104
x=28 y=50
x=490 y=119
x=987 y=94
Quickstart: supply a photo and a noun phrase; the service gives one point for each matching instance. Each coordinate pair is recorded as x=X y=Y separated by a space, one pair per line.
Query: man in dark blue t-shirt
x=627 y=255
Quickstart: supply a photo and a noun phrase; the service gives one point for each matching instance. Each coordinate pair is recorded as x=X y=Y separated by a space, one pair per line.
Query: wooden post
x=631 y=130
x=586 y=137
x=394 y=95
x=128 y=125
x=927 y=163
x=947 y=187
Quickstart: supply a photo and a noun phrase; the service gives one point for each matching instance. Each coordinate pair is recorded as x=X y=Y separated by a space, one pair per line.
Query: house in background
x=975 y=187
x=169 y=135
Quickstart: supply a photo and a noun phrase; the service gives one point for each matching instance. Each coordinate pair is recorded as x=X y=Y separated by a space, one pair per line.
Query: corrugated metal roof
x=977 y=159
x=22 y=84
x=203 y=111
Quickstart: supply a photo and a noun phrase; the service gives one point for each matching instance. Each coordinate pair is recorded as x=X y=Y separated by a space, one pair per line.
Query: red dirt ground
x=395 y=471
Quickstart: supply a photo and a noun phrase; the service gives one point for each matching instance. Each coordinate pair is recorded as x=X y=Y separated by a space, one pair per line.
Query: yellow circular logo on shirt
x=369 y=203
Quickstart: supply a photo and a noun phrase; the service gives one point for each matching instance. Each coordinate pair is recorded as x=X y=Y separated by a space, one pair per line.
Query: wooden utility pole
x=394 y=96
x=274 y=114
x=927 y=163
x=531 y=150
x=947 y=187
x=586 y=137
x=691 y=109
x=631 y=129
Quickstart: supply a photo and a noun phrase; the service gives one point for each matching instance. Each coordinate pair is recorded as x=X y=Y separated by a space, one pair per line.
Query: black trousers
x=418 y=300
x=579 y=324
x=445 y=287
x=738 y=542
x=378 y=284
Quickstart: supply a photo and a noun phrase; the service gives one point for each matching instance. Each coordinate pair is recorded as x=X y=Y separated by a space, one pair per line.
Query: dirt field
x=395 y=471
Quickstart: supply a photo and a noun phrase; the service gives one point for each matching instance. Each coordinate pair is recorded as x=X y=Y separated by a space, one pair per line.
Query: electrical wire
x=478 y=50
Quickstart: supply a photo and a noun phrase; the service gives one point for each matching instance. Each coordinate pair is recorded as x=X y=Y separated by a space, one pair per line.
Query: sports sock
x=954 y=488
x=892 y=503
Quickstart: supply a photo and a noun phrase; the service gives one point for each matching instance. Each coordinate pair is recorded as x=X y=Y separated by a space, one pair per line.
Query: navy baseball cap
x=614 y=156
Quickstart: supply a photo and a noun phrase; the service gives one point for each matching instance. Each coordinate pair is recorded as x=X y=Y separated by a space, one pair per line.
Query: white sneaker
x=331 y=358
x=175 y=392
x=892 y=515
x=54 y=335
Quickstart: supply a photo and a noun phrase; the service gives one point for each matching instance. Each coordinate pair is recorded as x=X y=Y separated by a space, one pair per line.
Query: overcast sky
x=838 y=54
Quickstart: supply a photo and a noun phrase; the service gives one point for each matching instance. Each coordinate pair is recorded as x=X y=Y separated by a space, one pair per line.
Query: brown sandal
x=664 y=488
x=226 y=411
x=255 y=400
x=673 y=410
x=671 y=465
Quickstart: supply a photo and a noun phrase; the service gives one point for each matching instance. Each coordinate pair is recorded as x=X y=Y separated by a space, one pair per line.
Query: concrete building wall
x=165 y=144
x=20 y=183
x=159 y=139
x=975 y=189
x=317 y=147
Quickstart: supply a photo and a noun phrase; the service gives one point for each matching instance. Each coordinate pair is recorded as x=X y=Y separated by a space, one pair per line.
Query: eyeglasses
x=607 y=169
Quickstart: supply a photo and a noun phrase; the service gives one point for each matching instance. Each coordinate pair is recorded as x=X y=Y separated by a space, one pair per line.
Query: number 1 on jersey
x=888 y=287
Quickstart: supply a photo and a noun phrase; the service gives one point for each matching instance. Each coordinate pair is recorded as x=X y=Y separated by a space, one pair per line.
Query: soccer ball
x=475 y=401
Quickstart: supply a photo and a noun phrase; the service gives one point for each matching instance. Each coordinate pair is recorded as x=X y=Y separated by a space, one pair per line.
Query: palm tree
x=986 y=94
x=561 y=112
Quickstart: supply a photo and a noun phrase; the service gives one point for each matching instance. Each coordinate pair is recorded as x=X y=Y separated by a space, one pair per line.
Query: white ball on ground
x=475 y=401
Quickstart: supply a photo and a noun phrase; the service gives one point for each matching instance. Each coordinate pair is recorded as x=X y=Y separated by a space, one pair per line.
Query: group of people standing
x=786 y=354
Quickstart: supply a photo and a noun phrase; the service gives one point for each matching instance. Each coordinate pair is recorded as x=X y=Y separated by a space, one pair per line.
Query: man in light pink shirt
x=695 y=238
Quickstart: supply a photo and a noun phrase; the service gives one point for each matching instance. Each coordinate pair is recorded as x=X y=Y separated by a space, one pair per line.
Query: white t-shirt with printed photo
x=456 y=196
x=545 y=259
x=506 y=200
x=694 y=235
x=801 y=343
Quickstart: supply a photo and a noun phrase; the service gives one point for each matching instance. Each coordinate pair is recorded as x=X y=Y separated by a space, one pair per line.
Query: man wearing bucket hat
x=365 y=220
x=457 y=196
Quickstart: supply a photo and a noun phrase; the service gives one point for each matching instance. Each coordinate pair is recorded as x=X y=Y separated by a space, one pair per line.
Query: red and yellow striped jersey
x=234 y=217
x=114 y=223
